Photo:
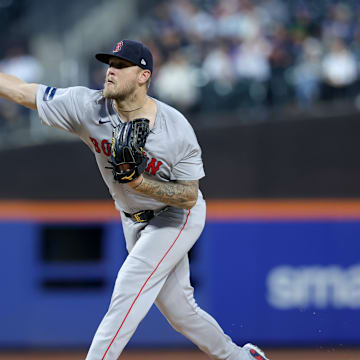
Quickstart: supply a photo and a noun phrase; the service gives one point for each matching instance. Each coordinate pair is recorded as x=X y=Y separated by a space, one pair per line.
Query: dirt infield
x=273 y=354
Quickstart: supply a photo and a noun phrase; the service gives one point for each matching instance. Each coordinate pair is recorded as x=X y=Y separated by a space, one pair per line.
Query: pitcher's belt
x=144 y=215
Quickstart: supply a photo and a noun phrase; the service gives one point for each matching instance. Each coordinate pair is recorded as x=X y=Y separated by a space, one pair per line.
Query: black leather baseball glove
x=128 y=159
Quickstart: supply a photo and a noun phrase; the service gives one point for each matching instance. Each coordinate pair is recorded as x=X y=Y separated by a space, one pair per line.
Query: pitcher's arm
x=181 y=194
x=18 y=91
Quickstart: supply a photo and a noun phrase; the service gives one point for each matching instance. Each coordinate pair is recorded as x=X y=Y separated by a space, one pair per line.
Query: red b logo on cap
x=118 y=47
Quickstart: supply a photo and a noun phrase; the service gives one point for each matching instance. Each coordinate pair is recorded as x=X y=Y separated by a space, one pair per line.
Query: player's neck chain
x=127 y=111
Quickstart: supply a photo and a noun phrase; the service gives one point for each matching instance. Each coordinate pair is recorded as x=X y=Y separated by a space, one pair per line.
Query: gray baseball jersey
x=171 y=147
x=157 y=268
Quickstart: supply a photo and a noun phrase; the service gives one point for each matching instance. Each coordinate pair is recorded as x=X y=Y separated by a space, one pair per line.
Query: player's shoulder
x=86 y=99
x=178 y=128
x=87 y=94
x=79 y=93
x=172 y=115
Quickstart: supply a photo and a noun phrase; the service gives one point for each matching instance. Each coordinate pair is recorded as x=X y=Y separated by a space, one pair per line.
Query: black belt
x=145 y=215
x=141 y=216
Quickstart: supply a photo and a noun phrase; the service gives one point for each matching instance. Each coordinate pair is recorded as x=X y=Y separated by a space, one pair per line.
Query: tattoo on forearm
x=178 y=194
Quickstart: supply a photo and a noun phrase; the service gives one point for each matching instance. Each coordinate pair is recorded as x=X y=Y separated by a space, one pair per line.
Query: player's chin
x=105 y=91
x=108 y=93
x=113 y=94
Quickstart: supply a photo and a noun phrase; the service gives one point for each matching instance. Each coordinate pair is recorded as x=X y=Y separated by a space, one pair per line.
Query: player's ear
x=144 y=76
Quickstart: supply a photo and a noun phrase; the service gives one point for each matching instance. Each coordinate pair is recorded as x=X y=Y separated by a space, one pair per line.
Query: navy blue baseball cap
x=130 y=50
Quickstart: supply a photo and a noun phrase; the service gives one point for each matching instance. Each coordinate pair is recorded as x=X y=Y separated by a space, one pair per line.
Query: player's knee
x=177 y=324
x=179 y=320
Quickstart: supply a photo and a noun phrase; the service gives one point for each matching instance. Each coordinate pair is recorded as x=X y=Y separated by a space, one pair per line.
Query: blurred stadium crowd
x=222 y=55
x=227 y=55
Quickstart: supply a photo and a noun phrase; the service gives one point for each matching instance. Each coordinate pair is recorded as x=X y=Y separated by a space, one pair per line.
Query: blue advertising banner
x=286 y=283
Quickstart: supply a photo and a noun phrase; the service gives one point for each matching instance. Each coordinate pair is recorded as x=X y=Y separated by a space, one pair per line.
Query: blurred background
x=272 y=89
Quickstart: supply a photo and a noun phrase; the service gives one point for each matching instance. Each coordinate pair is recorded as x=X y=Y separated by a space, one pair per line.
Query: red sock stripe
x=137 y=296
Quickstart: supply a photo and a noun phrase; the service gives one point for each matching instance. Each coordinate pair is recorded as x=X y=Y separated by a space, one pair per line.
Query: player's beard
x=112 y=92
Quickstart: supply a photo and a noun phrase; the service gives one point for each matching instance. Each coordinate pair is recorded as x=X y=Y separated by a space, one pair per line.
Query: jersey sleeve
x=189 y=165
x=58 y=108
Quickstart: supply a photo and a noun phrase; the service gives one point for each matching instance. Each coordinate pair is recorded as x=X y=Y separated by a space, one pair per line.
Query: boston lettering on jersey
x=105 y=147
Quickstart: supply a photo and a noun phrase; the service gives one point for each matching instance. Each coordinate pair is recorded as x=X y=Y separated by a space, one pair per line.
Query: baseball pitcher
x=149 y=158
